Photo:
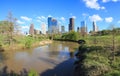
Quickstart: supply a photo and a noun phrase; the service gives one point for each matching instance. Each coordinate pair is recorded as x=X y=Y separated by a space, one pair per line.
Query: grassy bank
x=25 y=42
x=97 y=61
x=101 y=57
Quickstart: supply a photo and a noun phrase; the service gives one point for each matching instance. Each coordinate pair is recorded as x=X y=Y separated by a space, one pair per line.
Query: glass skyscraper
x=52 y=25
x=83 y=28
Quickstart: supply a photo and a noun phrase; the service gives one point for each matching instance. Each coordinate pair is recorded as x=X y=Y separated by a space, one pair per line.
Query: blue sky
x=104 y=12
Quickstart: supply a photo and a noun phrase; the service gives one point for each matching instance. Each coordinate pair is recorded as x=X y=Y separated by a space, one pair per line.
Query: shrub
x=28 y=42
x=32 y=73
x=72 y=35
x=113 y=73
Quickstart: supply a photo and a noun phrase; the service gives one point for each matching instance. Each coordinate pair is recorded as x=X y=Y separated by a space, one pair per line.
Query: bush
x=72 y=35
x=28 y=42
x=32 y=73
x=113 y=73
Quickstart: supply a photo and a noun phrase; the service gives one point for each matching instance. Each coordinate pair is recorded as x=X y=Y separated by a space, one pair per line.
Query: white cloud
x=95 y=18
x=85 y=15
x=20 y=22
x=74 y=17
x=102 y=7
x=109 y=19
x=49 y=15
x=62 y=18
x=25 y=27
x=41 y=19
x=115 y=0
x=93 y=4
x=105 y=1
x=26 y=18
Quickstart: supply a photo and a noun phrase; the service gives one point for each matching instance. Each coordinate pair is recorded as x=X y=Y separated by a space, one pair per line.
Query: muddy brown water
x=48 y=60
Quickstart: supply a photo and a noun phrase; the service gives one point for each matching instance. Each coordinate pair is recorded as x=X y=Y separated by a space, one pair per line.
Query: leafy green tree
x=72 y=35
x=28 y=41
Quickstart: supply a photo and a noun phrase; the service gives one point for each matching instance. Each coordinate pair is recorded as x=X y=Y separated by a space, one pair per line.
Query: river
x=49 y=60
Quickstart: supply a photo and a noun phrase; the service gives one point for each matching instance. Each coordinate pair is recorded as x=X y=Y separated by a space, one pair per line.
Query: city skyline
x=103 y=12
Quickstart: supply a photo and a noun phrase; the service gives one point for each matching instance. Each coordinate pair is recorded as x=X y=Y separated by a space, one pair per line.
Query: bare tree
x=11 y=24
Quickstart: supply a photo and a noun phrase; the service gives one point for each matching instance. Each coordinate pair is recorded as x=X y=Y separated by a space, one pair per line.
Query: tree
x=11 y=24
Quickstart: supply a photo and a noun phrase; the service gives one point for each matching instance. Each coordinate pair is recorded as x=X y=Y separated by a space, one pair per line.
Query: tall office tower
x=95 y=27
x=55 y=28
x=71 y=24
x=83 y=28
x=62 y=29
x=52 y=25
x=78 y=29
x=31 y=30
x=43 y=28
x=49 y=24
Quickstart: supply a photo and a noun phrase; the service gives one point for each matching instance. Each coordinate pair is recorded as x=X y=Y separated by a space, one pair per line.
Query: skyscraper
x=31 y=30
x=49 y=24
x=52 y=25
x=62 y=29
x=95 y=27
x=43 y=28
x=78 y=29
x=71 y=24
x=83 y=28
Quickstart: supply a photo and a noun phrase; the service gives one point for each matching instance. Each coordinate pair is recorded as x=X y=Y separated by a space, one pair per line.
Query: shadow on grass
x=4 y=72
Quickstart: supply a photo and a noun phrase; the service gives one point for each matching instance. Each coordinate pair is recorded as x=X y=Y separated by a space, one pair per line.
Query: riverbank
x=15 y=47
x=65 y=40
x=42 y=59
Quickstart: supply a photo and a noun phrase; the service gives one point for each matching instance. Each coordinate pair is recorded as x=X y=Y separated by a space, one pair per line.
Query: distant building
x=62 y=29
x=31 y=30
x=83 y=28
x=95 y=27
x=71 y=24
x=36 y=32
x=78 y=29
x=52 y=25
x=43 y=28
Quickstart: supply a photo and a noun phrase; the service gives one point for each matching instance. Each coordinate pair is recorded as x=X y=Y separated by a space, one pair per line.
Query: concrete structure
x=31 y=30
x=95 y=27
x=43 y=28
x=62 y=29
x=52 y=26
x=83 y=28
x=71 y=24
x=78 y=29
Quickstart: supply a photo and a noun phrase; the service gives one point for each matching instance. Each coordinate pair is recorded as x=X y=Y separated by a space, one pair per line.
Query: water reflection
x=22 y=56
x=41 y=58
x=2 y=57
x=64 y=54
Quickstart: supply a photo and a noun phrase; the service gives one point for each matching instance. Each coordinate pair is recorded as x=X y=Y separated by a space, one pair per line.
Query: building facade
x=78 y=29
x=83 y=28
x=62 y=29
x=95 y=27
x=43 y=28
x=31 y=30
x=71 y=24
x=52 y=26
